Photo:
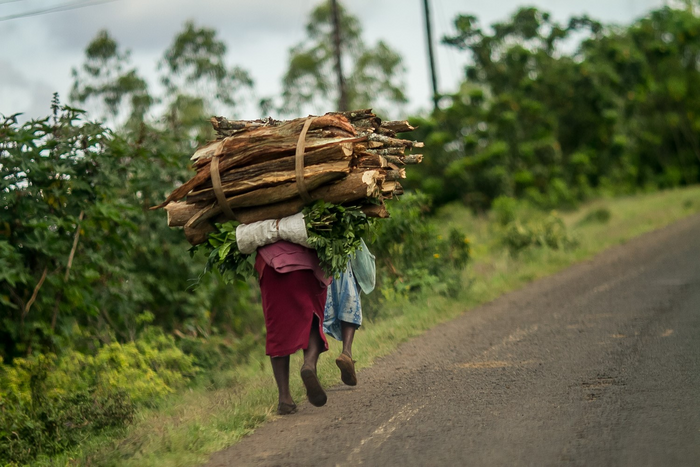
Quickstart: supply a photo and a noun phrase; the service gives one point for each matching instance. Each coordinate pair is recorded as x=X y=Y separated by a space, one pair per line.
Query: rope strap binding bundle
x=298 y=166
x=299 y=161
x=216 y=183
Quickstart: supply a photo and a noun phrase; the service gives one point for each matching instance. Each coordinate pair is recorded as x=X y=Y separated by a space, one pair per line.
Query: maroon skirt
x=290 y=301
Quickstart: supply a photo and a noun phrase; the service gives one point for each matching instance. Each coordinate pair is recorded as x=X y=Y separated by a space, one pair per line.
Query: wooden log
x=250 y=128
x=397 y=126
x=265 y=196
x=246 y=155
x=180 y=212
x=388 y=141
x=271 y=179
x=237 y=180
x=368 y=160
x=408 y=160
x=375 y=210
x=394 y=175
x=362 y=118
x=356 y=186
x=391 y=188
x=353 y=115
x=266 y=143
x=224 y=127
x=396 y=160
x=198 y=235
x=388 y=151
x=413 y=159
x=367 y=124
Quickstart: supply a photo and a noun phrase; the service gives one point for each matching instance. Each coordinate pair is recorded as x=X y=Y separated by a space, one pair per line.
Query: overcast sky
x=38 y=52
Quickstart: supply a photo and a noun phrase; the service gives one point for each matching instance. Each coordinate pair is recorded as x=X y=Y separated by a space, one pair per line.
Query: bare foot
x=347 y=369
x=314 y=390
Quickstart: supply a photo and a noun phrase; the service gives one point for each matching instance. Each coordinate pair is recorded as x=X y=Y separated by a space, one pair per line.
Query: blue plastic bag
x=364 y=268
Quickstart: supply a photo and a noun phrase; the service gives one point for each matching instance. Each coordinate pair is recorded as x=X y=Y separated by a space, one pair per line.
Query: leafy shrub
x=550 y=232
x=49 y=426
x=220 y=352
x=49 y=403
x=596 y=216
x=412 y=255
x=504 y=209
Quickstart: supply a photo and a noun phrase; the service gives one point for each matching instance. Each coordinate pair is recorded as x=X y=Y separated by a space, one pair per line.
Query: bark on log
x=397 y=126
x=255 y=147
x=388 y=151
x=356 y=186
x=224 y=127
x=394 y=175
x=249 y=129
x=353 y=115
x=408 y=160
x=413 y=159
x=375 y=210
x=257 y=153
x=268 y=180
x=388 y=141
x=180 y=212
x=390 y=188
x=199 y=235
x=265 y=196
x=368 y=160
x=239 y=178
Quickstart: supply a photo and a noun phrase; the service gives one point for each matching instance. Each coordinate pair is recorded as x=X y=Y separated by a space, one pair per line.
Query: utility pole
x=431 y=56
x=342 y=88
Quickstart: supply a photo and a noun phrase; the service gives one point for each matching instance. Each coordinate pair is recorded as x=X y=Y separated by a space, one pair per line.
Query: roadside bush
x=220 y=352
x=596 y=216
x=504 y=209
x=49 y=403
x=412 y=254
x=51 y=425
x=550 y=232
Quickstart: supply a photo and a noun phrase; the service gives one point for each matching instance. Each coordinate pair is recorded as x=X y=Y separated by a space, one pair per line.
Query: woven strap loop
x=299 y=161
x=218 y=191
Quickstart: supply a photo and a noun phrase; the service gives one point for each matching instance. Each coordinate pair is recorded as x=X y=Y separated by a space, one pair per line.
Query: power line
x=64 y=7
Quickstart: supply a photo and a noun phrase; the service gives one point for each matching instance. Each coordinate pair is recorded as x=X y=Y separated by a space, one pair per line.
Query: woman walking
x=293 y=288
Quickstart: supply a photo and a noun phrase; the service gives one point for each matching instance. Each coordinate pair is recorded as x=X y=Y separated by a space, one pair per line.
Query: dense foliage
x=534 y=121
x=412 y=255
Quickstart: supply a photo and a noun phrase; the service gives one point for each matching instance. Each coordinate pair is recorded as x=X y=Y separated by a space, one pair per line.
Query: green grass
x=189 y=426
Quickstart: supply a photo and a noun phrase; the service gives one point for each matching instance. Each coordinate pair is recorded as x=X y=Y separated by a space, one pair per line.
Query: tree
x=376 y=73
x=505 y=130
x=197 y=80
x=105 y=78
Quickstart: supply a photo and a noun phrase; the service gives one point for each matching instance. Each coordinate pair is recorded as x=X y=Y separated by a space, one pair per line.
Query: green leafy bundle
x=225 y=256
x=334 y=231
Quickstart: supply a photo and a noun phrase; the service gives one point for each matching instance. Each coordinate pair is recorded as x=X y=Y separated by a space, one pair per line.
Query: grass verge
x=189 y=426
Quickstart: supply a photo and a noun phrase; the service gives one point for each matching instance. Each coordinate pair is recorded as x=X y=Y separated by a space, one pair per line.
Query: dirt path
x=597 y=365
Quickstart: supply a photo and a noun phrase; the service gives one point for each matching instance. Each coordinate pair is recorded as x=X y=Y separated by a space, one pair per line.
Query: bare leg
x=314 y=390
x=344 y=360
x=348 y=333
x=280 y=368
x=312 y=352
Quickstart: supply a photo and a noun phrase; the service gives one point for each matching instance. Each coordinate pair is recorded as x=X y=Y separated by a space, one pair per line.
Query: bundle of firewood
x=269 y=169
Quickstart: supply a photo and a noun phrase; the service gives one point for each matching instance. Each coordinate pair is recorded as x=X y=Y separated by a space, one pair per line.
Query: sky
x=37 y=52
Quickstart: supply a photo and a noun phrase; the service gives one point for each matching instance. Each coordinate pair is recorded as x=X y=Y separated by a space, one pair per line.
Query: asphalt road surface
x=598 y=365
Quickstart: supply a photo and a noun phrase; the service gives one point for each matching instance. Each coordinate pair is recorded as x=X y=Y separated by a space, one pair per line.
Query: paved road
x=596 y=366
